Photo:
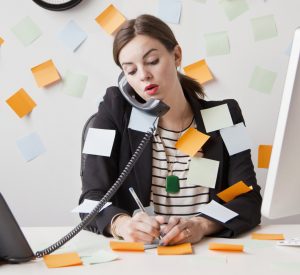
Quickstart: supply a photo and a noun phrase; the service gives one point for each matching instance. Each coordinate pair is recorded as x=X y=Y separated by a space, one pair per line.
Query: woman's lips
x=152 y=90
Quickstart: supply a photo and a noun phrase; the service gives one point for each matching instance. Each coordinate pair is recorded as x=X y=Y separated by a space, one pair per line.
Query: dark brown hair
x=153 y=27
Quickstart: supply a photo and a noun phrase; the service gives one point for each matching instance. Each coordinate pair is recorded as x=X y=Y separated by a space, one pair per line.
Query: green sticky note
x=201 y=1
x=264 y=27
x=233 y=8
x=74 y=84
x=217 y=43
x=262 y=80
x=26 y=31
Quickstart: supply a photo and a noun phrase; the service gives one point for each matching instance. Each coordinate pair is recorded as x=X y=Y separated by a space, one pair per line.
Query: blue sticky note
x=169 y=11
x=72 y=36
x=30 y=146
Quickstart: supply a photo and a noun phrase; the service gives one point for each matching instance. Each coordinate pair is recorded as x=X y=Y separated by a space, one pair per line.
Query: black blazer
x=99 y=172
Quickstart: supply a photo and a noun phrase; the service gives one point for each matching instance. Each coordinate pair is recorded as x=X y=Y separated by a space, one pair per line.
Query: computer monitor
x=282 y=191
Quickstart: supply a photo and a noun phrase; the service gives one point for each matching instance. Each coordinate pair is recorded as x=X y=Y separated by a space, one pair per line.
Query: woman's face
x=150 y=68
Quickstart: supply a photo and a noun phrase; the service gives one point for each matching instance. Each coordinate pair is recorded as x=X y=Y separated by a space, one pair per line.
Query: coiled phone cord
x=105 y=198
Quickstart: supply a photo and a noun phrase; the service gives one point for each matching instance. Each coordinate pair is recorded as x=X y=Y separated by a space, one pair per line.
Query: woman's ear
x=177 y=55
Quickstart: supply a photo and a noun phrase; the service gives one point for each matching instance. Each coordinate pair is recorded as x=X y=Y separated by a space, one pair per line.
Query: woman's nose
x=145 y=74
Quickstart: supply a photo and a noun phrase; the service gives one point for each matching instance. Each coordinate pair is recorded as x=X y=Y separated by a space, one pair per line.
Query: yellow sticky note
x=199 y=71
x=260 y=236
x=264 y=155
x=226 y=247
x=1 y=41
x=233 y=191
x=110 y=19
x=62 y=260
x=180 y=249
x=127 y=246
x=191 y=141
x=21 y=103
x=45 y=73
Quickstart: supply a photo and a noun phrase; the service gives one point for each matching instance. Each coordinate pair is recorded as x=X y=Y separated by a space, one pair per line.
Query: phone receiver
x=152 y=107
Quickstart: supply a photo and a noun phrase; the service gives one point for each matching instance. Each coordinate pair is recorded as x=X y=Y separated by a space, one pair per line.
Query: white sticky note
x=216 y=118
x=99 y=142
x=169 y=11
x=98 y=257
x=236 y=138
x=217 y=211
x=203 y=172
x=87 y=206
x=141 y=121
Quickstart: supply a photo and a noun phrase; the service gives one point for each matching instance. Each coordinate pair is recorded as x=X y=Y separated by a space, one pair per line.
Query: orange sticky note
x=180 y=249
x=1 y=41
x=62 y=260
x=260 y=236
x=233 y=191
x=45 y=73
x=199 y=71
x=127 y=246
x=226 y=247
x=191 y=141
x=21 y=103
x=110 y=19
x=264 y=155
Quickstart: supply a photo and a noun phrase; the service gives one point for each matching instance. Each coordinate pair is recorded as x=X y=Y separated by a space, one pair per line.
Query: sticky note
x=217 y=43
x=110 y=19
x=264 y=27
x=261 y=236
x=141 y=121
x=262 y=80
x=72 y=36
x=216 y=118
x=88 y=205
x=1 y=41
x=226 y=247
x=127 y=246
x=26 y=31
x=169 y=11
x=45 y=73
x=203 y=172
x=21 y=103
x=264 y=156
x=62 y=260
x=233 y=191
x=180 y=249
x=98 y=257
x=199 y=71
x=233 y=8
x=201 y=1
x=74 y=83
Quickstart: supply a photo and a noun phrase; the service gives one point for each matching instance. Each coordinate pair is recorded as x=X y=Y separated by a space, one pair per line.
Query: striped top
x=167 y=160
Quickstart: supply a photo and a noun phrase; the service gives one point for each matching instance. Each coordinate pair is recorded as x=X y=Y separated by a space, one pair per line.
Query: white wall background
x=43 y=191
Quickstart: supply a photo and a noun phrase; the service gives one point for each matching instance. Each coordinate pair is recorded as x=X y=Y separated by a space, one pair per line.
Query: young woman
x=147 y=51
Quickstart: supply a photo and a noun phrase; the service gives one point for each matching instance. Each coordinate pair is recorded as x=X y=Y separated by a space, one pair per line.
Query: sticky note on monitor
x=264 y=156
x=21 y=103
x=169 y=11
x=233 y=8
x=199 y=71
x=127 y=246
x=264 y=27
x=233 y=191
x=45 y=73
x=1 y=41
x=74 y=83
x=110 y=19
x=62 y=260
x=217 y=43
x=180 y=249
x=262 y=80
x=141 y=121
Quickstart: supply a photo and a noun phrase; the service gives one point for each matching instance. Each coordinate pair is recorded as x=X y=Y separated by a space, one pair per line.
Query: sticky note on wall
x=264 y=27
x=233 y=191
x=199 y=71
x=233 y=9
x=217 y=43
x=262 y=80
x=264 y=156
x=169 y=10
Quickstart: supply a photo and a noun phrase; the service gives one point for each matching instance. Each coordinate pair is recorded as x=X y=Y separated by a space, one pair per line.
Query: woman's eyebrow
x=144 y=56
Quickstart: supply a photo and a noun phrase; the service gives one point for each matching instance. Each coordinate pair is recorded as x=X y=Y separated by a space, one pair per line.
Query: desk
x=260 y=257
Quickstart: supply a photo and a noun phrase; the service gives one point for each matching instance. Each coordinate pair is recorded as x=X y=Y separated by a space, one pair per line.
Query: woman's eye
x=132 y=72
x=154 y=62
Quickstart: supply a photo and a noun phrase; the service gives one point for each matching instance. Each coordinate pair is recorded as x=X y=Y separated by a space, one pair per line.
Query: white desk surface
x=259 y=257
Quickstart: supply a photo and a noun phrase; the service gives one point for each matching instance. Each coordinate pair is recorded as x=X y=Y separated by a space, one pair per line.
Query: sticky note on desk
x=1 y=40
x=169 y=11
x=264 y=156
x=180 y=249
x=233 y=8
x=233 y=191
x=199 y=71
x=127 y=246
x=264 y=27
x=216 y=43
x=261 y=236
x=62 y=260
x=226 y=247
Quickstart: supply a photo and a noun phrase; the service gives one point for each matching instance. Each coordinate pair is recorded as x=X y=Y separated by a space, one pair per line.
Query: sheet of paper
x=233 y=191
x=72 y=36
x=290 y=242
x=264 y=156
x=203 y=172
x=127 y=246
x=216 y=118
x=217 y=211
x=262 y=80
x=1 y=41
x=62 y=260
x=199 y=71
x=141 y=121
x=26 y=31
x=169 y=11
x=264 y=27
x=110 y=19
x=226 y=247
x=45 y=73
x=100 y=256
x=21 y=103
x=88 y=205
x=264 y=236
x=236 y=138
x=180 y=249
x=74 y=83
x=233 y=8
x=217 y=43
x=30 y=146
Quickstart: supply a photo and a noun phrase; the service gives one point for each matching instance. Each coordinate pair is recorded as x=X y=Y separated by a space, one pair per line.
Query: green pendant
x=172 y=184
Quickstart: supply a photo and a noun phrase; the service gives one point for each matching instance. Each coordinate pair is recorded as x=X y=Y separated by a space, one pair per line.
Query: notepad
x=180 y=249
x=199 y=71
x=127 y=246
x=226 y=247
x=233 y=191
x=62 y=260
x=262 y=236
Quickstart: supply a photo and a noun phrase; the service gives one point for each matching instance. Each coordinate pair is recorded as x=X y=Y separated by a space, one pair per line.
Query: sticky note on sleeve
x=62 y=260
x=180 y=249
x=199 y=71
x=226 y=247
x=264 y=156
x=260 y=236
x=127 y=246
x=233 y=191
